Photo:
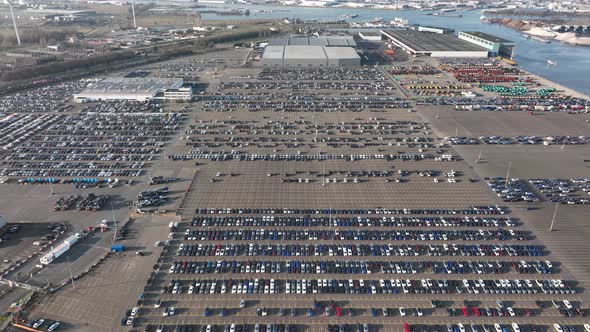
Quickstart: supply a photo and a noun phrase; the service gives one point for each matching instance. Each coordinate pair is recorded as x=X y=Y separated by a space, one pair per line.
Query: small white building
x=185 y=93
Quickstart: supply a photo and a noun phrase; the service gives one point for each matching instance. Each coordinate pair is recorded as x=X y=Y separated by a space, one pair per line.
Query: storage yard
x=405 y=197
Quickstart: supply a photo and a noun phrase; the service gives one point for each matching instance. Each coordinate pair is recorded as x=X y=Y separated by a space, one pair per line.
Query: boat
x=551 y=62
x=541 y=39
x=447 y=15
x=484 y=19
x=376 y=20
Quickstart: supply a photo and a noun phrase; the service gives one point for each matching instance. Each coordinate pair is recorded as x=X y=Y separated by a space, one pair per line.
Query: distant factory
x=494 y=45
x=439 y=42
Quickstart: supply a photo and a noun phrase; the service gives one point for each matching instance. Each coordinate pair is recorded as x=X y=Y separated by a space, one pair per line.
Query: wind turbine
x=133 y=11
x=13 y=21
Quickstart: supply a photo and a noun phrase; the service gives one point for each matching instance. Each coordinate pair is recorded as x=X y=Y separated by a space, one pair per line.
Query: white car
x=402 y=312
x=157 y=244
x=40 y=322
x=557 y=328
x=134 y=311
x=567 y=304
x=511 y=312
x=54 y=326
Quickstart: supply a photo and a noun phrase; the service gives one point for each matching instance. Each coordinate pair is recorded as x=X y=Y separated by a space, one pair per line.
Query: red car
x=407 y=327
x=338 y=311
x=465 y=311
x=476 y=311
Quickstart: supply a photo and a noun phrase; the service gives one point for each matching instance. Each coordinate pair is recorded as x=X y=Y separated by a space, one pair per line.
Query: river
x=573 y=62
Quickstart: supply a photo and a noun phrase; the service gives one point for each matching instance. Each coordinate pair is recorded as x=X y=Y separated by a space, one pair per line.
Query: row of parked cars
x=360 y=286
x=252 y=249
x=364 y=327
x=336 y=73
x=341 y=221
x=360 y=267
x=371 y=87
x=235 y=155
x=475 y=209
x=295 y=103
x=526 y=140
x=356 y=235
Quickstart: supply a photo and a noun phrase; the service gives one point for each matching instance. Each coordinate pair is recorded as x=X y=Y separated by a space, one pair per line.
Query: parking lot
x=279 y=218
x=316 y=200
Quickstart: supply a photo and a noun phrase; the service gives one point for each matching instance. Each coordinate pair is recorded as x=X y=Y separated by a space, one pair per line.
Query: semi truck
x=59 y=250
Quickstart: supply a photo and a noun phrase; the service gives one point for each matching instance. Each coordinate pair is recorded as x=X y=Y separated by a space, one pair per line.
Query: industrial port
x=397 y=179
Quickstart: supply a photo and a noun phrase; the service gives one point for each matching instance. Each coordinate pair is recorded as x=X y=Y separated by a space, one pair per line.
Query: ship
x=447 y=15
x=541 y=39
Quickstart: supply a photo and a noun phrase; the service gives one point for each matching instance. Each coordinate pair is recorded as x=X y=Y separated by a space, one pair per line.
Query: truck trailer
x=59 y=250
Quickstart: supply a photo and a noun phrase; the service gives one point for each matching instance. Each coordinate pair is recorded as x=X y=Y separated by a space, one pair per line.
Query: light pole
x=553 y=220
x=507 y=174
x=13 y=21
x=70 y=270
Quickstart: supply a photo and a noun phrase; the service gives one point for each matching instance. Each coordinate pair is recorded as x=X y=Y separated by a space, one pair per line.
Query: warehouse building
x=309 y=56
x=495 y=45
x=328 y=41
x=138 y=89
x=422 y=43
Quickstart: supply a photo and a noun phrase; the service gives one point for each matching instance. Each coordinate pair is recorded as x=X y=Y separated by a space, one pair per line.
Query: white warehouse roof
x=309 y=55
x=341 y=53
x=128 y=88
x=304 y=52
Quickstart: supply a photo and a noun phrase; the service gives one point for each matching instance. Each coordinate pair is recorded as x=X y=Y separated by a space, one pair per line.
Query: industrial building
x=328 y=41
x=179 y=94
x=494 y=45
x=139 y=89
x=309 y=56
x=422 y=43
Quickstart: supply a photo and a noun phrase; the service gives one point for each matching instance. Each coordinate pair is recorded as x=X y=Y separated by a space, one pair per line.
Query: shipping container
x=117 y=248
